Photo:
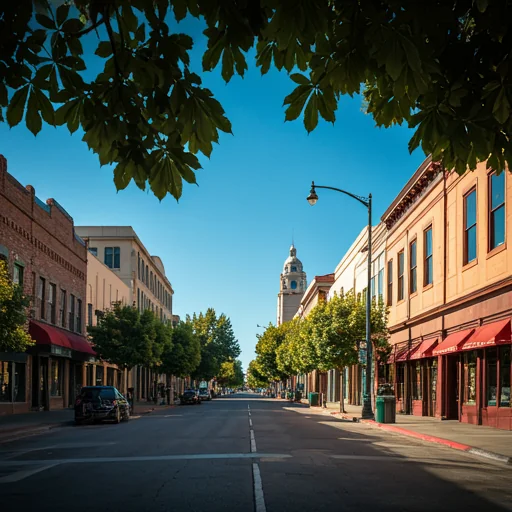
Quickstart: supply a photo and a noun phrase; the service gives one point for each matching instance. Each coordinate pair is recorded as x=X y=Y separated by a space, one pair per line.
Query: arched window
x=293 y=285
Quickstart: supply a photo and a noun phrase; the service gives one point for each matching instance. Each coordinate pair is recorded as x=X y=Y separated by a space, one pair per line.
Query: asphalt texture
x=243 y=453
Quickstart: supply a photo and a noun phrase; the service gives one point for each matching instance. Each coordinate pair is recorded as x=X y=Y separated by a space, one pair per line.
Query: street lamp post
x=367 y=412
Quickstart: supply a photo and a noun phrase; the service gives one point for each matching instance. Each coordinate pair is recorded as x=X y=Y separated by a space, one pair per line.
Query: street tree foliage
x=255 y=378
x=330 y=335
x=13 y=318
x=266 y=352
x=442 y=68
x=231 y=374
x=127 y=338
x=182 y=355
x=217 y=341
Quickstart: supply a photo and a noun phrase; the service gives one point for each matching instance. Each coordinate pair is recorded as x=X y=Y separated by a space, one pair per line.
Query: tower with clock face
x=292 y=287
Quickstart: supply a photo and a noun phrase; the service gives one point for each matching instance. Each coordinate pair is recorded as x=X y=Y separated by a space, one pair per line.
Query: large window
x=56 y=377
x=52 y=303
x=390 y=283
x=63 y=308
x=470 y=227
x=113 y=257
x=417 y=380
x=89 y=314
x=496 y=210
x=71 y=324
x=492 y=375
x=78 y=326
x=41 y=296
x=17 y=277
x=413 y=268
x=428 y=259
x=380 y=283
x=12 y=382
x=372 y=283
x=401 y=289
x=505 y=370
x=469 y=378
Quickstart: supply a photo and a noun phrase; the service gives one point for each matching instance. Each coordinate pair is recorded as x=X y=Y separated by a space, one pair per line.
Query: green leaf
x=45 y=106
x=44 y=21
x=394 y=61
x=311 y=113
x=140 y=34
x=482 y=5
x=104 y=49
x=297 y=92
x=501 y=109
x=16 y=106
x=62 y=14
x=227 y=64
x=3 y=94
x=212 y=55
x=297 y=105
x=129 y=17
x=123 y=174
x=180 y=9
x=300 y=79
x=32 y=117
x=72 y=26
x=325 y=110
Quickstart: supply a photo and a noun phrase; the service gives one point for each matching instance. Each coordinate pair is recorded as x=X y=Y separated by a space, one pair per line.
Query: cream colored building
x=104 y=289
x=120 y=249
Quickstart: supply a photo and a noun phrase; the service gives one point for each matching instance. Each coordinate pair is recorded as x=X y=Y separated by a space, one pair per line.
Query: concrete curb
x=439 y=440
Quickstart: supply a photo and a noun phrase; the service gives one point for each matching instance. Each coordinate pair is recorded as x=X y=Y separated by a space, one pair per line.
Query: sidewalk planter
x=313 y=399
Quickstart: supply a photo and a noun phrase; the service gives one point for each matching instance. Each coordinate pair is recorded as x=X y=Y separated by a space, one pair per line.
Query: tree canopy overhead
x=441 y=67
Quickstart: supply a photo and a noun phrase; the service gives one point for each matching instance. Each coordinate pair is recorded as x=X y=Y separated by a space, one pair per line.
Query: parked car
x=96 y=403
x=204 y=394
x=190 y=396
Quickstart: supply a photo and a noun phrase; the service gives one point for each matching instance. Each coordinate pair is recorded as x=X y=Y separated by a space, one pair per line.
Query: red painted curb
x=423 y=437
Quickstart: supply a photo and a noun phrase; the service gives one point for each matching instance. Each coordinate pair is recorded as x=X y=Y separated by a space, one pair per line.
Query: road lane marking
x=21 y=475
x=147 y=458
x=253 y=442
x=259 y=497
x=250 y=422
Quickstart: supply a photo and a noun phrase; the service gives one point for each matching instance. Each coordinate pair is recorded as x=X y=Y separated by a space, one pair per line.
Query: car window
x=95 y=393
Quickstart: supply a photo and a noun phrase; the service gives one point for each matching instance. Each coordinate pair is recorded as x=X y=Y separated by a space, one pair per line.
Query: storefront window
x=90 y=369
x=505 y=376
x=400 y=391
x=416 y=381
x=5 y=382
x=56 y=377
x=492 y=375
x=19 y=382
x=469 y=395
x=99 y=375
x=433 y=380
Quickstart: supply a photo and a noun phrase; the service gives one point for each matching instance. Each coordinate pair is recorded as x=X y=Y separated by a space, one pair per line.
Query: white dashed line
x=250 y=422
x=259 y=498
x=253 y=442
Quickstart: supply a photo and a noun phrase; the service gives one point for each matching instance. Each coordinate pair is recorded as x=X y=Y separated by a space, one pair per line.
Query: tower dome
x=292 y=263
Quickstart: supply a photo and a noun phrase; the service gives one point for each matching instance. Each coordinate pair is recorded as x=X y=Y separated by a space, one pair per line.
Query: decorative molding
x=417 y=190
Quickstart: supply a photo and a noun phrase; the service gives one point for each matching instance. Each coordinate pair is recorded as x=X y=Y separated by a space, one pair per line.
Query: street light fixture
x=312 y=199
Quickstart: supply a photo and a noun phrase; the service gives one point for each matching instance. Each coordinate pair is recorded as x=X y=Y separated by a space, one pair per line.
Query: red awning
x=497 y=333
x=396 y=355
x=45 y=334
x=424 y=349
x=405 y=355
x=453 y=342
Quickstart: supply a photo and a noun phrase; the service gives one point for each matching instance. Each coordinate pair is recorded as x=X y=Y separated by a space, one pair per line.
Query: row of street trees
x=202 y=347
x=328 y=338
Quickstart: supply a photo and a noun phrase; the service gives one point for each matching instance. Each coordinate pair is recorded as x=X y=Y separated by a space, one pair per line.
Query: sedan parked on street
x=95 y=403
x=190 y=396
x=204 y=394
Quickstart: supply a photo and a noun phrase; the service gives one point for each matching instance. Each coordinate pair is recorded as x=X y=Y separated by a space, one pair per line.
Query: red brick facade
x=39 y=239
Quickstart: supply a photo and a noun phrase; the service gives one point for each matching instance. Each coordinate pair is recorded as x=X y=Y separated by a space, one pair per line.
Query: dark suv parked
x=101 y=403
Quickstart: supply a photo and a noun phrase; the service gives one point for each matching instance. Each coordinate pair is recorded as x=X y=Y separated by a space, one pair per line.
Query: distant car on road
x=96 y=403
x=204 y=394
x=190 y=396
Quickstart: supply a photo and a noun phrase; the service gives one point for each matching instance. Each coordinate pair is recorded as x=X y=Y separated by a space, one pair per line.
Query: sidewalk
x=21 y=425
x=476 y=439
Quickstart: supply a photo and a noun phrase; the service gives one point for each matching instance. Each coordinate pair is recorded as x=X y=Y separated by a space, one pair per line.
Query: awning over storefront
x=496 y=333
x=453 y=342
x=424 y=349
x=397 y=354
x=45 y=334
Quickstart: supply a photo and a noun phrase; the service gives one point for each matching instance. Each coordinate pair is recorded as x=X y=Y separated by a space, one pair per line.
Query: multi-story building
x=449 y=276
x=121 y=250
x=104 y=289
x=48 y=259
x=292 y=285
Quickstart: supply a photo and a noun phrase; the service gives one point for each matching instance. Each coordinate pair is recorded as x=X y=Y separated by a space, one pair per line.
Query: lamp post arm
x=363 y=200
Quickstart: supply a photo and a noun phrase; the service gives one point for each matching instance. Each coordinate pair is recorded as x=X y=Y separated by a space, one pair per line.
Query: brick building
x=47 y=258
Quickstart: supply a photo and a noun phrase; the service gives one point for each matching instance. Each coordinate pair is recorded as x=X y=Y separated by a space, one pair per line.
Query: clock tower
x=292 y=287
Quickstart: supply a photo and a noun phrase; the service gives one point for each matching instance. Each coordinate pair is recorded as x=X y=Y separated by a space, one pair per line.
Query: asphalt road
x=243 y=453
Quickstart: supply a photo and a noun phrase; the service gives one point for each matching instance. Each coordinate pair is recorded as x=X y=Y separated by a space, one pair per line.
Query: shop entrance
x=452 y=387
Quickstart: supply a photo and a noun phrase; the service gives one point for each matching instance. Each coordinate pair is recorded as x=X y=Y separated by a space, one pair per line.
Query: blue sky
x=224 y=244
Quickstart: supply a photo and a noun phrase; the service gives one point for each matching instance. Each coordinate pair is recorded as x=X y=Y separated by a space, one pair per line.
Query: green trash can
x=313 y=399
x=379 y=409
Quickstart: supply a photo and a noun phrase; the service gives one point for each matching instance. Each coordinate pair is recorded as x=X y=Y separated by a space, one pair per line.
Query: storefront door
x=452 y=387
